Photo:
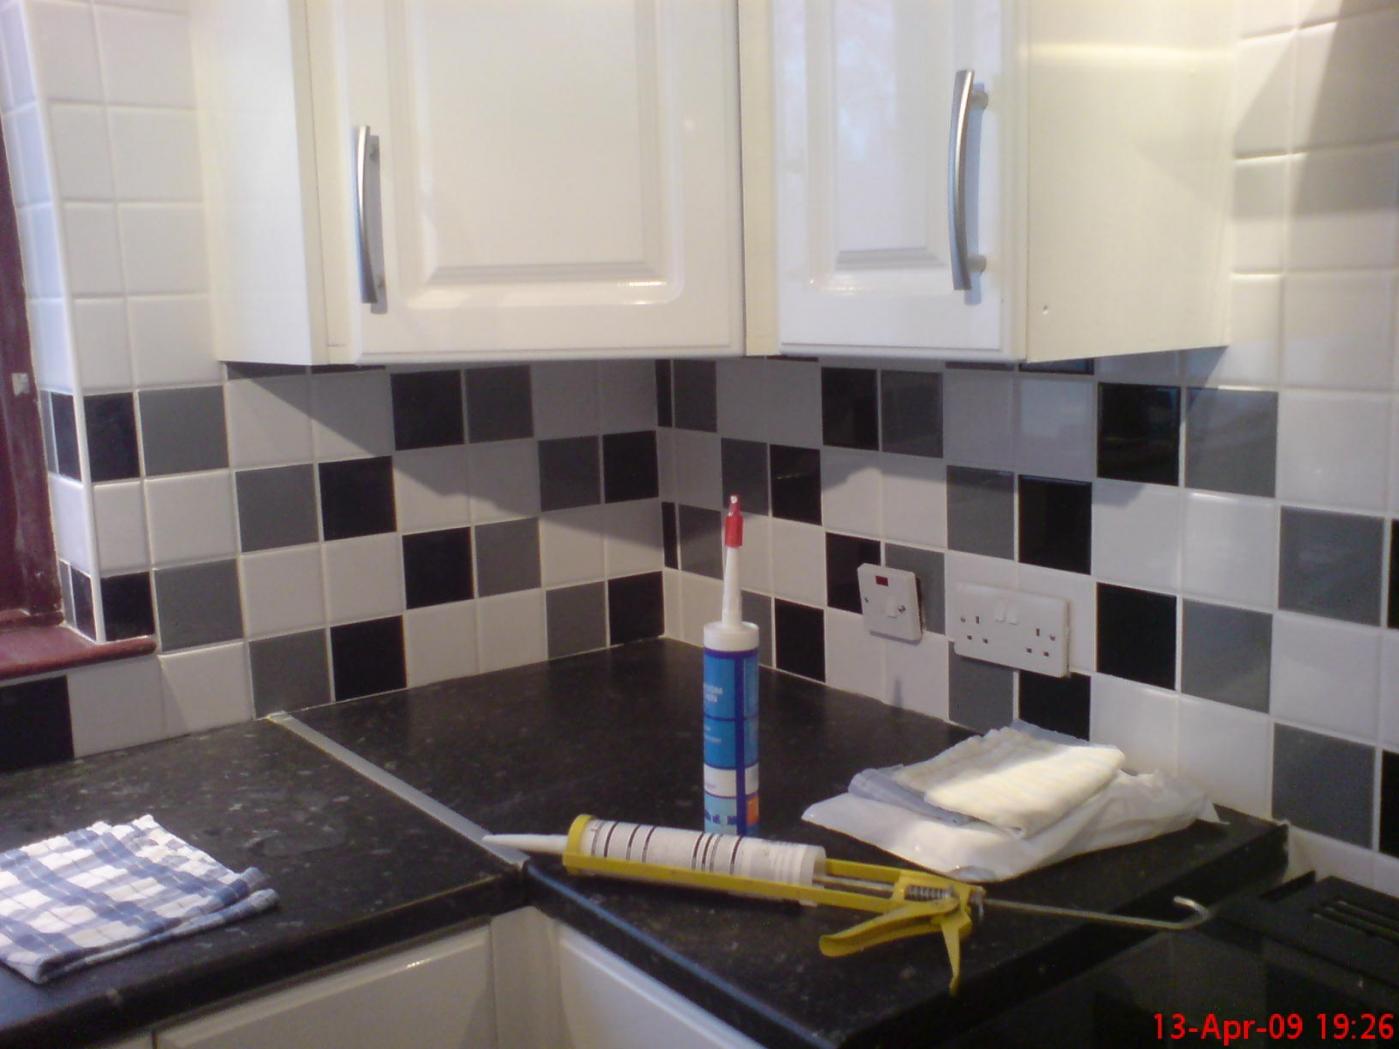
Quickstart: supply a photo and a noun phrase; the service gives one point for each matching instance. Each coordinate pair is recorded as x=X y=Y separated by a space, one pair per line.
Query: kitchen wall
x=289 y=535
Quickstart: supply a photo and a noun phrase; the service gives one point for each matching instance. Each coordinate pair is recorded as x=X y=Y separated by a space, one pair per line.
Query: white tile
x=99 y=340
x=1227 y=753
x=742 y=397
x=755 y=562
x=978 y=418
x=851 y=491
x=799 y=562
x=92 y=255
x=116 y=705
x=162 y=248
x=916 y=675
x=503 y=479
x=171 y=340
x=206 y=688
x=146 y=58
x=269 y=421
x=72 y=523
x=914 y=493
x=155 y=154
x=698 y=469
x=191 y=517
x=511 y=630
x=16 y=77
x=430 y=488
x=440 y=642
x=1260 y=200
x=565 y=398
x=282 y=590
x=1345 y=209
x=854 y=657
x=1387 y=874
x=1326 y=674
x=1327 y=857
x=29 y=166
x=670 y=597
x=632 y=537
x=1337 y=330
x=1347 y=81
x=81 y=160
x=42 y=252
x=793 y=401
x=1262 y=94
x=1332 y=449
x=1080 y=591
x=351 y=414
x=1230 y=546
x=571 y=545
x=1136 y=533
x=1251 y=358
x=64 y=51
x=363 y=577
x=700 y=597
x=626 y=396
x=120 y=512
x=50 y=348
x=1389 y=694
x=1256 y=17
x=1139 y=720
x=149 y=5
x=1057 y=436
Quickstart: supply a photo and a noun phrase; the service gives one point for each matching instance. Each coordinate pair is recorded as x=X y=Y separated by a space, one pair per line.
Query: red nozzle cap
x=733 y=524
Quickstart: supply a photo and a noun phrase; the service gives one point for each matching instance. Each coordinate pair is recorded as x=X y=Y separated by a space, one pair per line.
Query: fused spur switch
x=889 y=601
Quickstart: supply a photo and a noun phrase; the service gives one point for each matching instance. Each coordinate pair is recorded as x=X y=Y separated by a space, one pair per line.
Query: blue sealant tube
x=731 y=737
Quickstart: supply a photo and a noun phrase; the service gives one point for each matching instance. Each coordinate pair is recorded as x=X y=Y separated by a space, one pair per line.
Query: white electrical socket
x=889 y=601
x=1026 y=631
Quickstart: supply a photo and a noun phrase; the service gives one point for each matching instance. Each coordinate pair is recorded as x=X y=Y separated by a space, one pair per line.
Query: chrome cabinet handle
x=368 y=222
x=965 y=96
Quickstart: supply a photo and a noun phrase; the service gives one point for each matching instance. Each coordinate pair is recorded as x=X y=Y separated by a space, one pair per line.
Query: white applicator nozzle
x=731 y=613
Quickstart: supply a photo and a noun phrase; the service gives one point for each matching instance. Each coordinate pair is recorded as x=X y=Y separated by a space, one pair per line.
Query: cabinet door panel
x=863 y=111
x=555 y=175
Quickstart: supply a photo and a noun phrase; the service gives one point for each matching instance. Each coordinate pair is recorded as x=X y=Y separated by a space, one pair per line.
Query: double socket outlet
x=1025 y=631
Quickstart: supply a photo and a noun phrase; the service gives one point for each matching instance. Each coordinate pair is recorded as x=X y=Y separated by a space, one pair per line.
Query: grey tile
x=1231 y=441
x=1329 y=564
x=198 y=604
x=745 y=473
x=911 y=412
x=183 y=430
x=696 y=397
x=757 y=609
x=927 y=565
x=577 y=619
x=290 y=672
x=980 y=511
x=979 y=695
x=498 y=406
x=570 y=473
x=1323 y=784
x=277 y=507
x=1226 y=654
x=701 y=541
x=507 y=556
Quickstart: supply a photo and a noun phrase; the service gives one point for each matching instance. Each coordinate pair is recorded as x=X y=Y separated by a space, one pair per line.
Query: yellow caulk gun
x=905 y=902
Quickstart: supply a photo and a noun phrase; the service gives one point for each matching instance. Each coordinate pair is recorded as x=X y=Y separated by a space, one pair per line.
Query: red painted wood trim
x=30 y=651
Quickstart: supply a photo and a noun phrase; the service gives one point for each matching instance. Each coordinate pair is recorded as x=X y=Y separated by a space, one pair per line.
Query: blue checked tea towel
x=95 y=894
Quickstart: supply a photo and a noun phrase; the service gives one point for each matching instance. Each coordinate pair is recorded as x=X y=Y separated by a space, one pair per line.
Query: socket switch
x=1025 y=631
x=889 y=601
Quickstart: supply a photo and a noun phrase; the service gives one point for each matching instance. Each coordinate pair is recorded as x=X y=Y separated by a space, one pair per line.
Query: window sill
x=29 y=651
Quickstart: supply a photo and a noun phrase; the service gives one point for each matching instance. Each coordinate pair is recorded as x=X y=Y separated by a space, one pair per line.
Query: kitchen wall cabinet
x=404 y=180
x=1094 y=189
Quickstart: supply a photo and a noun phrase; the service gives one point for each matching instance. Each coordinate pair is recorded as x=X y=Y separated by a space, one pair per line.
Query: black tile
x=911 y=412
x=34 y=724
x=670 y=535
x=46 y=431
x=1139 y=433
x=111 y=436
x=701 y=541
x=1389 y=804
x=437 y=567
x=126 y=606
x=290 y=672
x=1393 y=575
x=575 y=619
x=800 y=634
x=367 y=658
x=1081 y=366
x=1058 y=703
x=569 y=473
x=664 y=415
x=850 y=407
x=844 y=555
x=234 y=370
x=635 y=607
x=498 y=405
x=65 y=435
x=629 y=466
x=357 y=497
x=65 y=586
x=84 y=620
x=696 y=395
x=427 y=409
x=795 y=483
x=1056 y=524
x=1137 y=635
x=744 y=469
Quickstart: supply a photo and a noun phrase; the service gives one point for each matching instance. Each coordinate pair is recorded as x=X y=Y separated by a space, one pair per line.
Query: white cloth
x=1013 y=779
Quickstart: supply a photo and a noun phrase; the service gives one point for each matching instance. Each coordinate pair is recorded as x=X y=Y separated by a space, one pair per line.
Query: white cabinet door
x=554 y=176
x=863 y=108
x=433 y=997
